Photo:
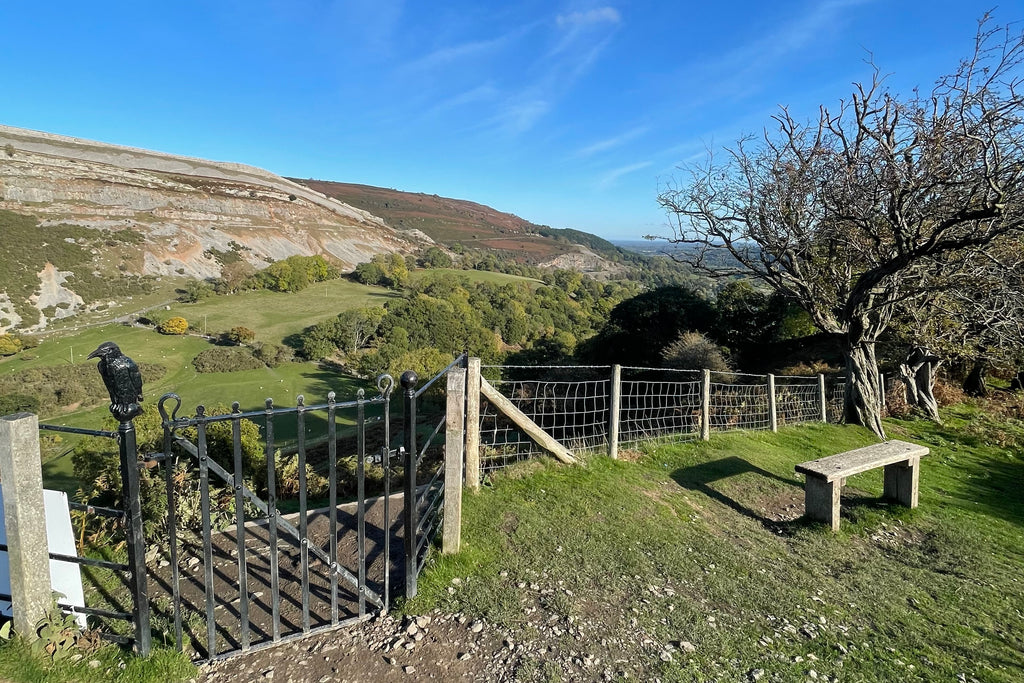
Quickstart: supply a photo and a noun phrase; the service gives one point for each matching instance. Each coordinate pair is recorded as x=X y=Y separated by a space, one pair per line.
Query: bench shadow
x=700 y=477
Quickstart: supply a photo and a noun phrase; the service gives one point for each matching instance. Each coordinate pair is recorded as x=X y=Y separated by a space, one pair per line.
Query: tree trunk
x=974 y=385
x=862 y=404
x=1017 y=384
x=918 y=375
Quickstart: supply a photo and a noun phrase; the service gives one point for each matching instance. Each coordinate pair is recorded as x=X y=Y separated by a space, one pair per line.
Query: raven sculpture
x=124 y=382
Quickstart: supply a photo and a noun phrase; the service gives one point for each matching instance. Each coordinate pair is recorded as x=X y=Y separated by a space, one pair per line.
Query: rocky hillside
x=86 y=222
x=119 y=213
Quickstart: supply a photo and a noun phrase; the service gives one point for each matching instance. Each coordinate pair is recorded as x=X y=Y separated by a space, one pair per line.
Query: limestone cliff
x=181 y=213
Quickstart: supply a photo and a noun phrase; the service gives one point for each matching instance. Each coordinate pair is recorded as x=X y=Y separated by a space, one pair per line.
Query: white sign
x=65 y=577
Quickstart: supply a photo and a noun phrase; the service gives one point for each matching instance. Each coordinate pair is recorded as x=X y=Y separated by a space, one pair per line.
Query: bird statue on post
x=124 y=382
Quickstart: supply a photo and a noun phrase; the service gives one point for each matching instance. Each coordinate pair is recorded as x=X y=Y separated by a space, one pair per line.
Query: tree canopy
x=851 y=213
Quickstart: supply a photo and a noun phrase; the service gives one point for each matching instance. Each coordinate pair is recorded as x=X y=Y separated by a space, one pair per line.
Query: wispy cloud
x=517 y=94
x=611 y=177
x=612 y=142
x=454 y=54
x=578 y=40
x=740 y=72
x=520 y=115
x=599 y=15
x=482 y=93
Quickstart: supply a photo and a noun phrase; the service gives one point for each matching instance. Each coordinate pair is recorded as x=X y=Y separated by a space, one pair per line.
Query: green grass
x=110 y=665
x=276 y=315
x=702 y=543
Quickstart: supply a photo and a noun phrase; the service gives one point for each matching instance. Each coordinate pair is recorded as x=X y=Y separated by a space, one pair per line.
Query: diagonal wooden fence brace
x=508 y=409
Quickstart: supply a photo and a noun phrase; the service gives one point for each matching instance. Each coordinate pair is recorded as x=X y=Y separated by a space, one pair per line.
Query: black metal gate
x=237 y=573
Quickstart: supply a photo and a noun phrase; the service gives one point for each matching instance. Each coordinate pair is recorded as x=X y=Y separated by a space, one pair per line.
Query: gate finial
x=123 y=381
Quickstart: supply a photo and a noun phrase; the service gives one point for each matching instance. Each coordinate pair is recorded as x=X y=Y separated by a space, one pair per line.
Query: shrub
x=62 y=385
x=948 y=393
x=896 y=401
x=694 y=351
x=18 y=403
x=9 y=344
x=195 y=290
x=273 y=354
x=240 y=335
x=175 y=325
x=225 y=359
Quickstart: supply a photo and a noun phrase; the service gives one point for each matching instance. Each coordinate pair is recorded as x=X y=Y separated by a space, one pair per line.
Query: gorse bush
x=9 y=344
x=273 y=355
x=64 y=385
x=226 y=359
x=239 y=335
x=175 y=325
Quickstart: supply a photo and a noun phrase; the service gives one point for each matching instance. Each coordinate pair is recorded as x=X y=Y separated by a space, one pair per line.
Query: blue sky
x=569 y=114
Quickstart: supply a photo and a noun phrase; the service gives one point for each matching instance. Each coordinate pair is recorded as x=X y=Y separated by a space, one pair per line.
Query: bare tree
x=851 y=213
x=983 y=315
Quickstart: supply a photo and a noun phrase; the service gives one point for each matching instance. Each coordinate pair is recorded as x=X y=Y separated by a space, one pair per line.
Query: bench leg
x=821 y=501
x=900 y=482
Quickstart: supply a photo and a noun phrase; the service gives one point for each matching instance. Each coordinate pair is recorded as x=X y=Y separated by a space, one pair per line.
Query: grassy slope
x=476 y=276
x=275 y=315
x=699 y=543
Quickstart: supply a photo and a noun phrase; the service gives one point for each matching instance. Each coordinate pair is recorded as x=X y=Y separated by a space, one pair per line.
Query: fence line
x=575 y=404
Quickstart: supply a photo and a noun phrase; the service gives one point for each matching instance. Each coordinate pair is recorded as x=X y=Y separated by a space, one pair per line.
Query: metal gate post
x=408 y=381
x=136 y=542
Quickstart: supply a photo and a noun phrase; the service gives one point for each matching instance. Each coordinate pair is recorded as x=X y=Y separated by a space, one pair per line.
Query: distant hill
x=459 y=221
x=83 y=220
x=86 y=222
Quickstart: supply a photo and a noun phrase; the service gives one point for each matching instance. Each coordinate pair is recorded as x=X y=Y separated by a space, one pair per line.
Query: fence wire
x=573 y=412
x=835 y=400
x=797 y=400
x=739 y=402
x=573 y=405
x=661 y=405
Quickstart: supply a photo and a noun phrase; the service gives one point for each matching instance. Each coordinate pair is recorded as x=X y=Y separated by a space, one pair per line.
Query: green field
x=275 y=315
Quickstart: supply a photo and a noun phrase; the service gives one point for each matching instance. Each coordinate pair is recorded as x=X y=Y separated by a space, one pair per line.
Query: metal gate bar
x=275 y=522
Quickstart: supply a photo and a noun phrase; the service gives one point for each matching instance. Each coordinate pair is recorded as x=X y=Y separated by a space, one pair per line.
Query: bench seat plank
x=847 y=464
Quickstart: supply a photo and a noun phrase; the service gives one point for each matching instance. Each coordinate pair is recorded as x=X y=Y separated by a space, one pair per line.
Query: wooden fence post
x=28 y=551
x=773 y=413
x=613 y=412
x=705 y=406
x=822 y=397
x=881 y=388
x=473 y=424
x=455 y=420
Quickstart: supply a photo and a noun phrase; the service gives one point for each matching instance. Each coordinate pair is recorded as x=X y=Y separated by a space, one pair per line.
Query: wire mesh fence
x=738 y=401
x=570 y=403
x=661 y=405
x=797 y=399
x=835 y=398
x=573 y=404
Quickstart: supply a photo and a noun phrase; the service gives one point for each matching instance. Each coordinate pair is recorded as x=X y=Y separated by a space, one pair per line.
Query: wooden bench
x=826 y=476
